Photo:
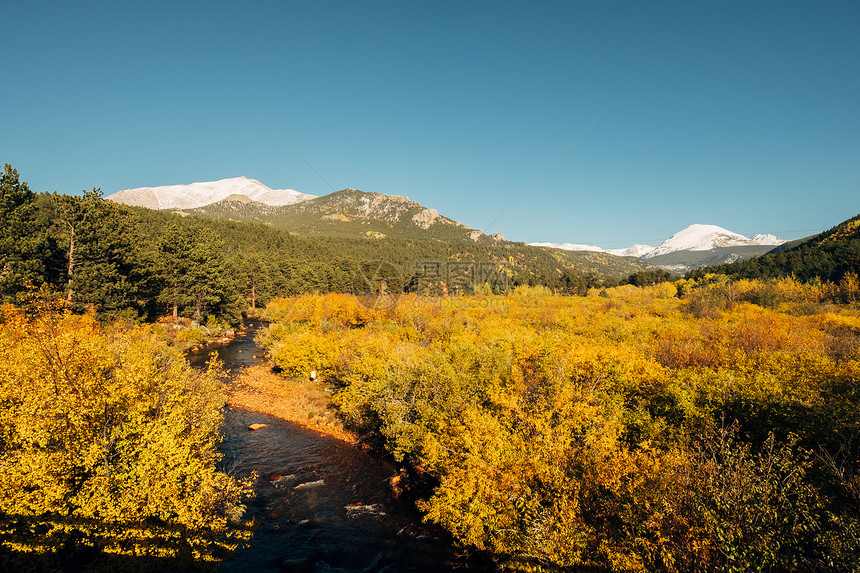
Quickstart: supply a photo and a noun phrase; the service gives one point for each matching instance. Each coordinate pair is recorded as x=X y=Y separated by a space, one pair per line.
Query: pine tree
x=194 y=276
x=100 y=245
x=253 y=274
x=24 y=245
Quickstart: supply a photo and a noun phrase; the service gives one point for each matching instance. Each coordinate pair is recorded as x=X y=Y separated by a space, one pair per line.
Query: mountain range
x=692 y=247
x=692 y=238
x=354 y=213
x=348 y=212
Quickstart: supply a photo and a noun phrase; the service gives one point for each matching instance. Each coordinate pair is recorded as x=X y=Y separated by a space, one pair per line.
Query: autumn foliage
x=630 y=431
x=108 y=440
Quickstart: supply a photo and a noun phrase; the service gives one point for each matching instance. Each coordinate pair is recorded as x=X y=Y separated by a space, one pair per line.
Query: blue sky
x=613 y=122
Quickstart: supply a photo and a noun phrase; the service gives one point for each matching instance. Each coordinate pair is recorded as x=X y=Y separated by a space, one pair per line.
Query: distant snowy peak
x=692 y=238
x=701 y=238
x=570 y=247
x=767 y=239
x=637 y=251
x=201 y=194
x=708 y=237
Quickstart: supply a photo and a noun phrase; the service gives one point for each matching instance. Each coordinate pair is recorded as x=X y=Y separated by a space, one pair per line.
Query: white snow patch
x=637 y=251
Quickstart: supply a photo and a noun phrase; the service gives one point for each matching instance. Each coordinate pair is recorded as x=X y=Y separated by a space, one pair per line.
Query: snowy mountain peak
x=638 y=251
x=693 y=238
x=201 y=194
x=701 y=238
x=570 y=247
x=767 y=239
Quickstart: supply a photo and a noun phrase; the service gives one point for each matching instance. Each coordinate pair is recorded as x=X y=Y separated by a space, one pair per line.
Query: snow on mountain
x=570 y=247
x=202 y=194
x=637 y=251
x=693 y=238
x=767 y=239
x=700 y=238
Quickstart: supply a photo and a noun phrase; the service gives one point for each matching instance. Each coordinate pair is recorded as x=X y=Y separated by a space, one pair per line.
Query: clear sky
x=603 y=122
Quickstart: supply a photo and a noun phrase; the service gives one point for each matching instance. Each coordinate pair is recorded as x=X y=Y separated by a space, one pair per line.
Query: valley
x=407 y=287
x=431 y=396
x=322 y=498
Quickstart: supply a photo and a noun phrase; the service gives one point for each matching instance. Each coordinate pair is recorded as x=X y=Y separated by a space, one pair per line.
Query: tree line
x=136 y=262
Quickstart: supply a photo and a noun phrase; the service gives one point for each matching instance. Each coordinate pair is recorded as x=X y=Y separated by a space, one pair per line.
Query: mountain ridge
x=351 y=213
x=692 y=247
x=380 y=221
x=372 y=215
x=695 y=237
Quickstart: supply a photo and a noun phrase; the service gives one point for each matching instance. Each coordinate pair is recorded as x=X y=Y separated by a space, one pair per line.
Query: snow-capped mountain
x=692 y=238
x=701 y=238
x=767 y=239
x=637 y=251
x=201 y=194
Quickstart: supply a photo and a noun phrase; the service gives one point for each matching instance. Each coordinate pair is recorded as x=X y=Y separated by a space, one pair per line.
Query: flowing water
x=322 y=505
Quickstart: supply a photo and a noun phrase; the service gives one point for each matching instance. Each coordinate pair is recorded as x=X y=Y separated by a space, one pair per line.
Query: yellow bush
x=109 y=425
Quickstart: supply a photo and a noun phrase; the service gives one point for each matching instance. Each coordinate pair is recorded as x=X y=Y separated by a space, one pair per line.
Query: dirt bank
x=303 y=402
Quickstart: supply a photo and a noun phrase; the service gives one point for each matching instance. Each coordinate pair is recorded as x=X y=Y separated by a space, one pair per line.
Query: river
x=322 y=505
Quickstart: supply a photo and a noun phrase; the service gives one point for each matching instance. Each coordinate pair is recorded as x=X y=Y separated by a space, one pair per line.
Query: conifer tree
x=98 y=241
x=24 y=246
x=193 y=274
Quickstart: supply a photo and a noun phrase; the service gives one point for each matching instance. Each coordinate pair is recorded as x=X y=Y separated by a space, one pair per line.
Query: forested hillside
x=347 y=213
x=133 y=261
x=363 y=226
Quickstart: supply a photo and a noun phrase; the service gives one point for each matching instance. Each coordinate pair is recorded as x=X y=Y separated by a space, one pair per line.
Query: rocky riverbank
x=190 y=336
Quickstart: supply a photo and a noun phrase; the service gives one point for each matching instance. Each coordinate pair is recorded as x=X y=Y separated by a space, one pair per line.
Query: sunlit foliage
x=628 y=431
x=108 y=440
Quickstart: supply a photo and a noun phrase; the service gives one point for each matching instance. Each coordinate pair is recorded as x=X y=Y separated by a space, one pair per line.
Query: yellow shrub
x=108 y=426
